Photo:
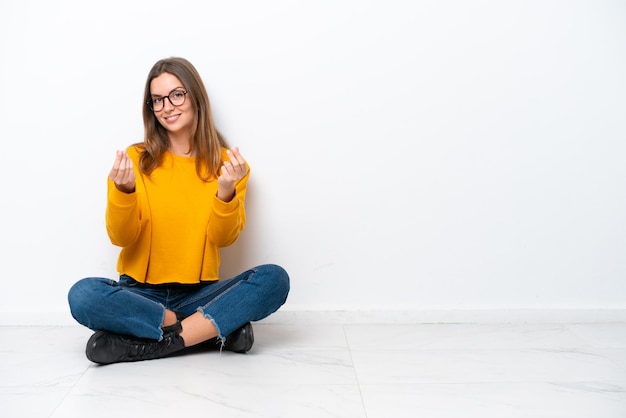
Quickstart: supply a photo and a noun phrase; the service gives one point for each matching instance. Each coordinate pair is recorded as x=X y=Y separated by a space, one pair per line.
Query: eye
x=157 y=100
x=177 y=94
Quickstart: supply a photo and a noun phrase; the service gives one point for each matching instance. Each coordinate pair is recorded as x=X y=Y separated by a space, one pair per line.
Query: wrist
x=123 y=189
x=225 y=194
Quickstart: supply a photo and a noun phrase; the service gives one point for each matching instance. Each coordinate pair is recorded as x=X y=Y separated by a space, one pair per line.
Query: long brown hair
x=206 y=141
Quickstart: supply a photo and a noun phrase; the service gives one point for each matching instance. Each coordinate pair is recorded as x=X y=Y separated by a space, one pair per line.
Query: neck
x=180 y=146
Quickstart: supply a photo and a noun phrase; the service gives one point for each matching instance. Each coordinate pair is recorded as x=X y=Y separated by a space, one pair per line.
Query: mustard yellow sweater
x=172 y=227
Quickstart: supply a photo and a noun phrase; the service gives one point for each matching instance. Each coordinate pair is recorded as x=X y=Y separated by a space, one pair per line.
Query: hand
x=122 y=173
x=231 y=172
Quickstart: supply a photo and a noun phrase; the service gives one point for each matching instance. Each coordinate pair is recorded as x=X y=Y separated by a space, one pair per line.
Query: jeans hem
x=220 y=337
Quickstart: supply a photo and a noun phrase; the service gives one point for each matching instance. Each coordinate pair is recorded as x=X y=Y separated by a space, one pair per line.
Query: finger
x=239 y=163
x=235 y=155
x=123 y=168
x=116 y=165
x=227 y=170
x=122 y=172
x=127 y=164
x=128 y=168
x=233 y=167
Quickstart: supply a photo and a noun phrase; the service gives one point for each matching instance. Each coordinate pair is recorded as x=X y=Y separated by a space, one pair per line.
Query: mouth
x=171 y=118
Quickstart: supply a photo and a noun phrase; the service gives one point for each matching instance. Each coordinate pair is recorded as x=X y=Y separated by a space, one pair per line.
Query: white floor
x=382 y=371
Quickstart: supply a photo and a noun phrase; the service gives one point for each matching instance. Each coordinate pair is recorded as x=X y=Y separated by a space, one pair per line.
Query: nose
x=167 y=104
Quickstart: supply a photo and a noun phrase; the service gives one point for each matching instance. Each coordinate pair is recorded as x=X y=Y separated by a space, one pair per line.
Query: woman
x=173 y=201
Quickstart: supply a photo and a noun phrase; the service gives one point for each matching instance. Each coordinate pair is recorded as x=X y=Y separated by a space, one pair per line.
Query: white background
x=427 y=155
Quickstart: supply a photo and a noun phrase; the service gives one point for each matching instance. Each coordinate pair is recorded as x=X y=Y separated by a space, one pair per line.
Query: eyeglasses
x=176 y=98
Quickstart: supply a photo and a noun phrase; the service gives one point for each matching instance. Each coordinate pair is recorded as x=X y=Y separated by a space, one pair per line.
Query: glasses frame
x=168 y=97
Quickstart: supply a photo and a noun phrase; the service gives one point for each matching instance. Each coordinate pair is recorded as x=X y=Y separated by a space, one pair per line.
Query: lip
x=171 y=118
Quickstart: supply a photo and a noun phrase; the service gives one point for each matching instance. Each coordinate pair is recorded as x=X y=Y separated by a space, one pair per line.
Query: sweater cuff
x=121 y=198
x=225 y=208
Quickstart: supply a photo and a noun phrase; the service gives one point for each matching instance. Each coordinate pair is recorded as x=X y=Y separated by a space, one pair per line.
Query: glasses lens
x=177 y=97
x=156 y=103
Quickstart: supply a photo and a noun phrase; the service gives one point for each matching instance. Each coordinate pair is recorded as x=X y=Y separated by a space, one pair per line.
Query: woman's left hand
x=231 y=172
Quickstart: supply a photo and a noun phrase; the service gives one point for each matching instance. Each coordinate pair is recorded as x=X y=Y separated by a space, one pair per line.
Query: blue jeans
x=132 y=308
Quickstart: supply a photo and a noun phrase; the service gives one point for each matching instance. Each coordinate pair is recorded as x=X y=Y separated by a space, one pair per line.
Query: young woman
x=173 y=201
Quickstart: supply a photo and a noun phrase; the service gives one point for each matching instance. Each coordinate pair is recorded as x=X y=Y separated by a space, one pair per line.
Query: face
x=176 y=119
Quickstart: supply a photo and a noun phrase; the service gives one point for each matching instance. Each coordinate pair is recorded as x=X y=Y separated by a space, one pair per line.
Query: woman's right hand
x=122 y=173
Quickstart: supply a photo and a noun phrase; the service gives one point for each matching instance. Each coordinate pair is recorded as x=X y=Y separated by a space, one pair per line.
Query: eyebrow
x=159 y=95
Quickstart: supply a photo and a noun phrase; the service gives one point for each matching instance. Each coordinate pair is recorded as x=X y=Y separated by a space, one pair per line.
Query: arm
x=122 y=173
x=232 y=171
x=228 y=216
x=122 y=212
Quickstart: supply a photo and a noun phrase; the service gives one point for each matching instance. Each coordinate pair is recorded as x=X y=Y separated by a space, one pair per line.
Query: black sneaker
x=105 y=347
x=240 y=340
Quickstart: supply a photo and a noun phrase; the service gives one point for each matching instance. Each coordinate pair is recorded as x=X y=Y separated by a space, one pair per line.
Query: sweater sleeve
x=122 y=216
x=228 y=219
x=123 y=213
